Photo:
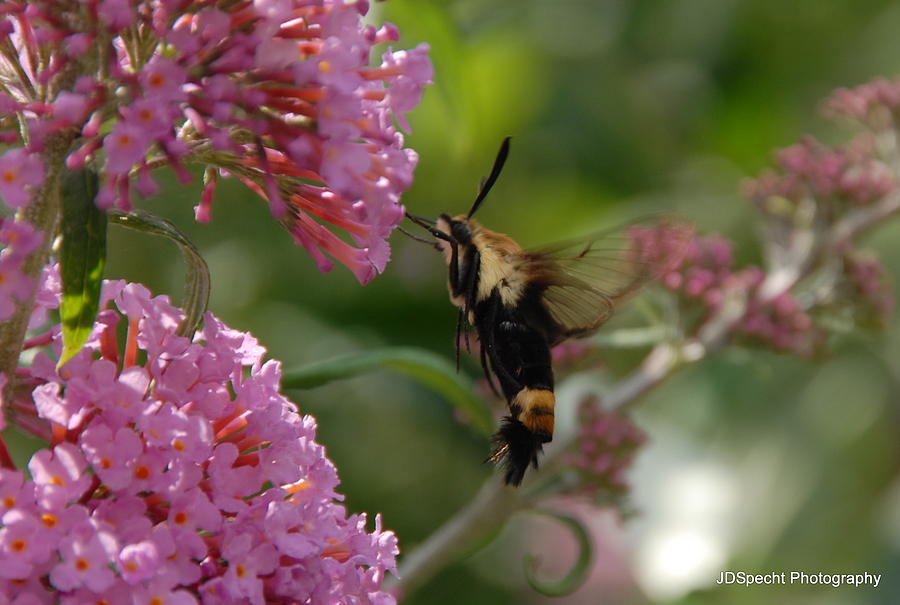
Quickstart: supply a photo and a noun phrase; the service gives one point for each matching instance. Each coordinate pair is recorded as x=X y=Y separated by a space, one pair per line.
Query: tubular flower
x=177 y=471
x=282 y=94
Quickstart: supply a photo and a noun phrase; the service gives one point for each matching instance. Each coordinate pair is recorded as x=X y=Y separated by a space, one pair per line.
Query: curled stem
x=576 y=576
x=196 y=279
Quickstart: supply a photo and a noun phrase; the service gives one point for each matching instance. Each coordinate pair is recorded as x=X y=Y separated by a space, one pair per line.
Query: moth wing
x=581 y=281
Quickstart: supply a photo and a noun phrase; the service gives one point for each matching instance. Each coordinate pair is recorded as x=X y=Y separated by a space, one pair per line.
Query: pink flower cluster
x=279 y=93
x=705 y=272
x=708 y=272
x=604 y=449
x=178 y=473
x=853 y=173
x=873 y=103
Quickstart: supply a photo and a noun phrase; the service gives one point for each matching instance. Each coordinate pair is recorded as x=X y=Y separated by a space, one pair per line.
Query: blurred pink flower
x=851 y=173
x=708 y=272
x=18 y=240
x=870 y=103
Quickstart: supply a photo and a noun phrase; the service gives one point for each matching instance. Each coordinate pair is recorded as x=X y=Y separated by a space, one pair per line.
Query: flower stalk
x=43 y=214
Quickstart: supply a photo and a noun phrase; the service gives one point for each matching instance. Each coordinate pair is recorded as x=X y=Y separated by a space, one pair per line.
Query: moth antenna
x=492 y=178
x=428 y=225
x=419 y=220
x=416 y=237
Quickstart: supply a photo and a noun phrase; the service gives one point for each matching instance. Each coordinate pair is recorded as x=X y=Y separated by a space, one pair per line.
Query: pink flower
x=86 y=555
x=13 y=284
x=163 y=81
x=23 y=544
x=139 y=561
x=414 y=71
x=59 y=475
x=71 y=107
x=11 y=490
x=125 y=146
x=185 y=474
x=20 y=172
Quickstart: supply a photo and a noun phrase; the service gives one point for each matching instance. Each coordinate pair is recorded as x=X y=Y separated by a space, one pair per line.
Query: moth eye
x=461 y=231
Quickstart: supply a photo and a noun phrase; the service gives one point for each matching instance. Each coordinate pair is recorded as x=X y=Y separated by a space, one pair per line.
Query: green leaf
x=577 y=575
x=82 y=257
x=196 y=279
x=421 y=365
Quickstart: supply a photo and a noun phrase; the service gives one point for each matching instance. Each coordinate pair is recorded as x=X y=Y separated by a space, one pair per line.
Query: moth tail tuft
x=516 y=447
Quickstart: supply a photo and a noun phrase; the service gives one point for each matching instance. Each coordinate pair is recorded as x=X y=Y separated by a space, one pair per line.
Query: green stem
x=490 y=509
x=43 y=214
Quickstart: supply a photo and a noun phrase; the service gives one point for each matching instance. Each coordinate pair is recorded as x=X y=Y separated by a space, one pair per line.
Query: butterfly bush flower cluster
x=873 y=104
x=810 y=172
x=603 y=450
x=178 y=473
x=708 y=273
x=289 y=96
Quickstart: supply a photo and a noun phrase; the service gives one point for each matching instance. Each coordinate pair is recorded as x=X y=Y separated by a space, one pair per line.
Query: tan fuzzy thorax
x=500 y=264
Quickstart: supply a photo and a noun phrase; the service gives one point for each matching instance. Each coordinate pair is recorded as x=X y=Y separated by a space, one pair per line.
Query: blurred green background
x=757 y=461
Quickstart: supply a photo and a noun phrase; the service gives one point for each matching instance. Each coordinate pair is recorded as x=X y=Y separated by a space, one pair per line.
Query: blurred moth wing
x=580 y=282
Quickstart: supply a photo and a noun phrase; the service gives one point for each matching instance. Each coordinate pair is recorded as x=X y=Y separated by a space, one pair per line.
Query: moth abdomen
x=537 y=411
x=516 y=449
x=524 y=432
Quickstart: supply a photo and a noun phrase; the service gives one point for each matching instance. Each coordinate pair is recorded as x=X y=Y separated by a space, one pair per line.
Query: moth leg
x=487 y=372
x=471 y=288
x=454 y=266
x=459 y=328
x=454 y=286
x=500 y=369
